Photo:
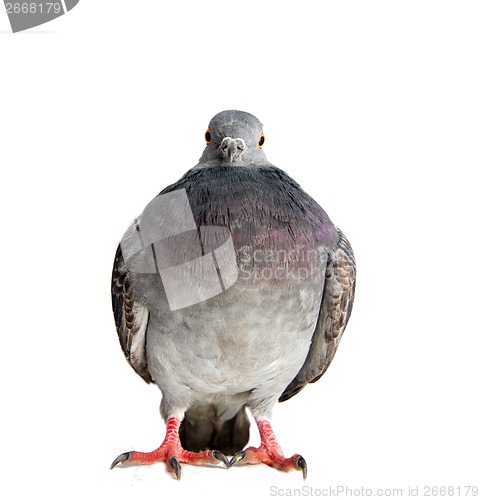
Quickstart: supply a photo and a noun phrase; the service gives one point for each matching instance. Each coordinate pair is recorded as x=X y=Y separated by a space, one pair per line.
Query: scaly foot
x=269 y=453
x=172 y=453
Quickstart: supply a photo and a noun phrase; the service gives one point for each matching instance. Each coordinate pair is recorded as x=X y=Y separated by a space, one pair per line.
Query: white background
x=372 y=106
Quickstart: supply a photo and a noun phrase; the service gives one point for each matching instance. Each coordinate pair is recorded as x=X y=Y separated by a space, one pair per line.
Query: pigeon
x=230 y=291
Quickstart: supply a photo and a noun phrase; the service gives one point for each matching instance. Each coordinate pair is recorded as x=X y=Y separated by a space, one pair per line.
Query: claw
x=119 y=459
x=177 y=469
x=303 y=466
x=220 y=456
x=240 y=455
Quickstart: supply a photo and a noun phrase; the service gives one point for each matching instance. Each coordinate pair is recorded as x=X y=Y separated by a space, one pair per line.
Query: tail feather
x=203 y=429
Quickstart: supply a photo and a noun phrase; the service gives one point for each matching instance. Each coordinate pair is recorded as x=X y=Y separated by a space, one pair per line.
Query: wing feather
x=131 y=318
x=335 y=310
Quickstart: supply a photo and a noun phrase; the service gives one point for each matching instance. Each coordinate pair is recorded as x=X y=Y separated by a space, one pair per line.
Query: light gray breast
x=281 y=239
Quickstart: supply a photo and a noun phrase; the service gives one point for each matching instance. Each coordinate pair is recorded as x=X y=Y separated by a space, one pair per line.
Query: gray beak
x=232 y=148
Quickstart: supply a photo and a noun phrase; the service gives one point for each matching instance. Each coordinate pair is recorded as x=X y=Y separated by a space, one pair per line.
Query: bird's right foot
x=172 y=453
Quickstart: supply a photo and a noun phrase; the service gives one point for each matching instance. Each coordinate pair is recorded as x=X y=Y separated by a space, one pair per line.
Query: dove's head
x=234 y=138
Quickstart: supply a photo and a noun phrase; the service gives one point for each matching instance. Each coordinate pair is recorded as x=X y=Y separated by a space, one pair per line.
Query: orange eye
x=208 y=137
x=261 y=141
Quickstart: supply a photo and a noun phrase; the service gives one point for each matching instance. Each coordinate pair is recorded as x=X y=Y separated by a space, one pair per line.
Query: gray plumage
x=271 y=333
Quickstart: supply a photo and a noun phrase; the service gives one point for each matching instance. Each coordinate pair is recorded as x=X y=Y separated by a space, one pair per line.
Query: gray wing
x=335 y=310
x=131 y=318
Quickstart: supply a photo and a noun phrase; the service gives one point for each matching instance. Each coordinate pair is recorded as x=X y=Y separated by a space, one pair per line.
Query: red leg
x=172 y=453
x=269 y=452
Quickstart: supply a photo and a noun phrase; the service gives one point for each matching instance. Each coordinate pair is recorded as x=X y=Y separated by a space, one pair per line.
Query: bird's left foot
x=277 y=460
x=269 y=453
